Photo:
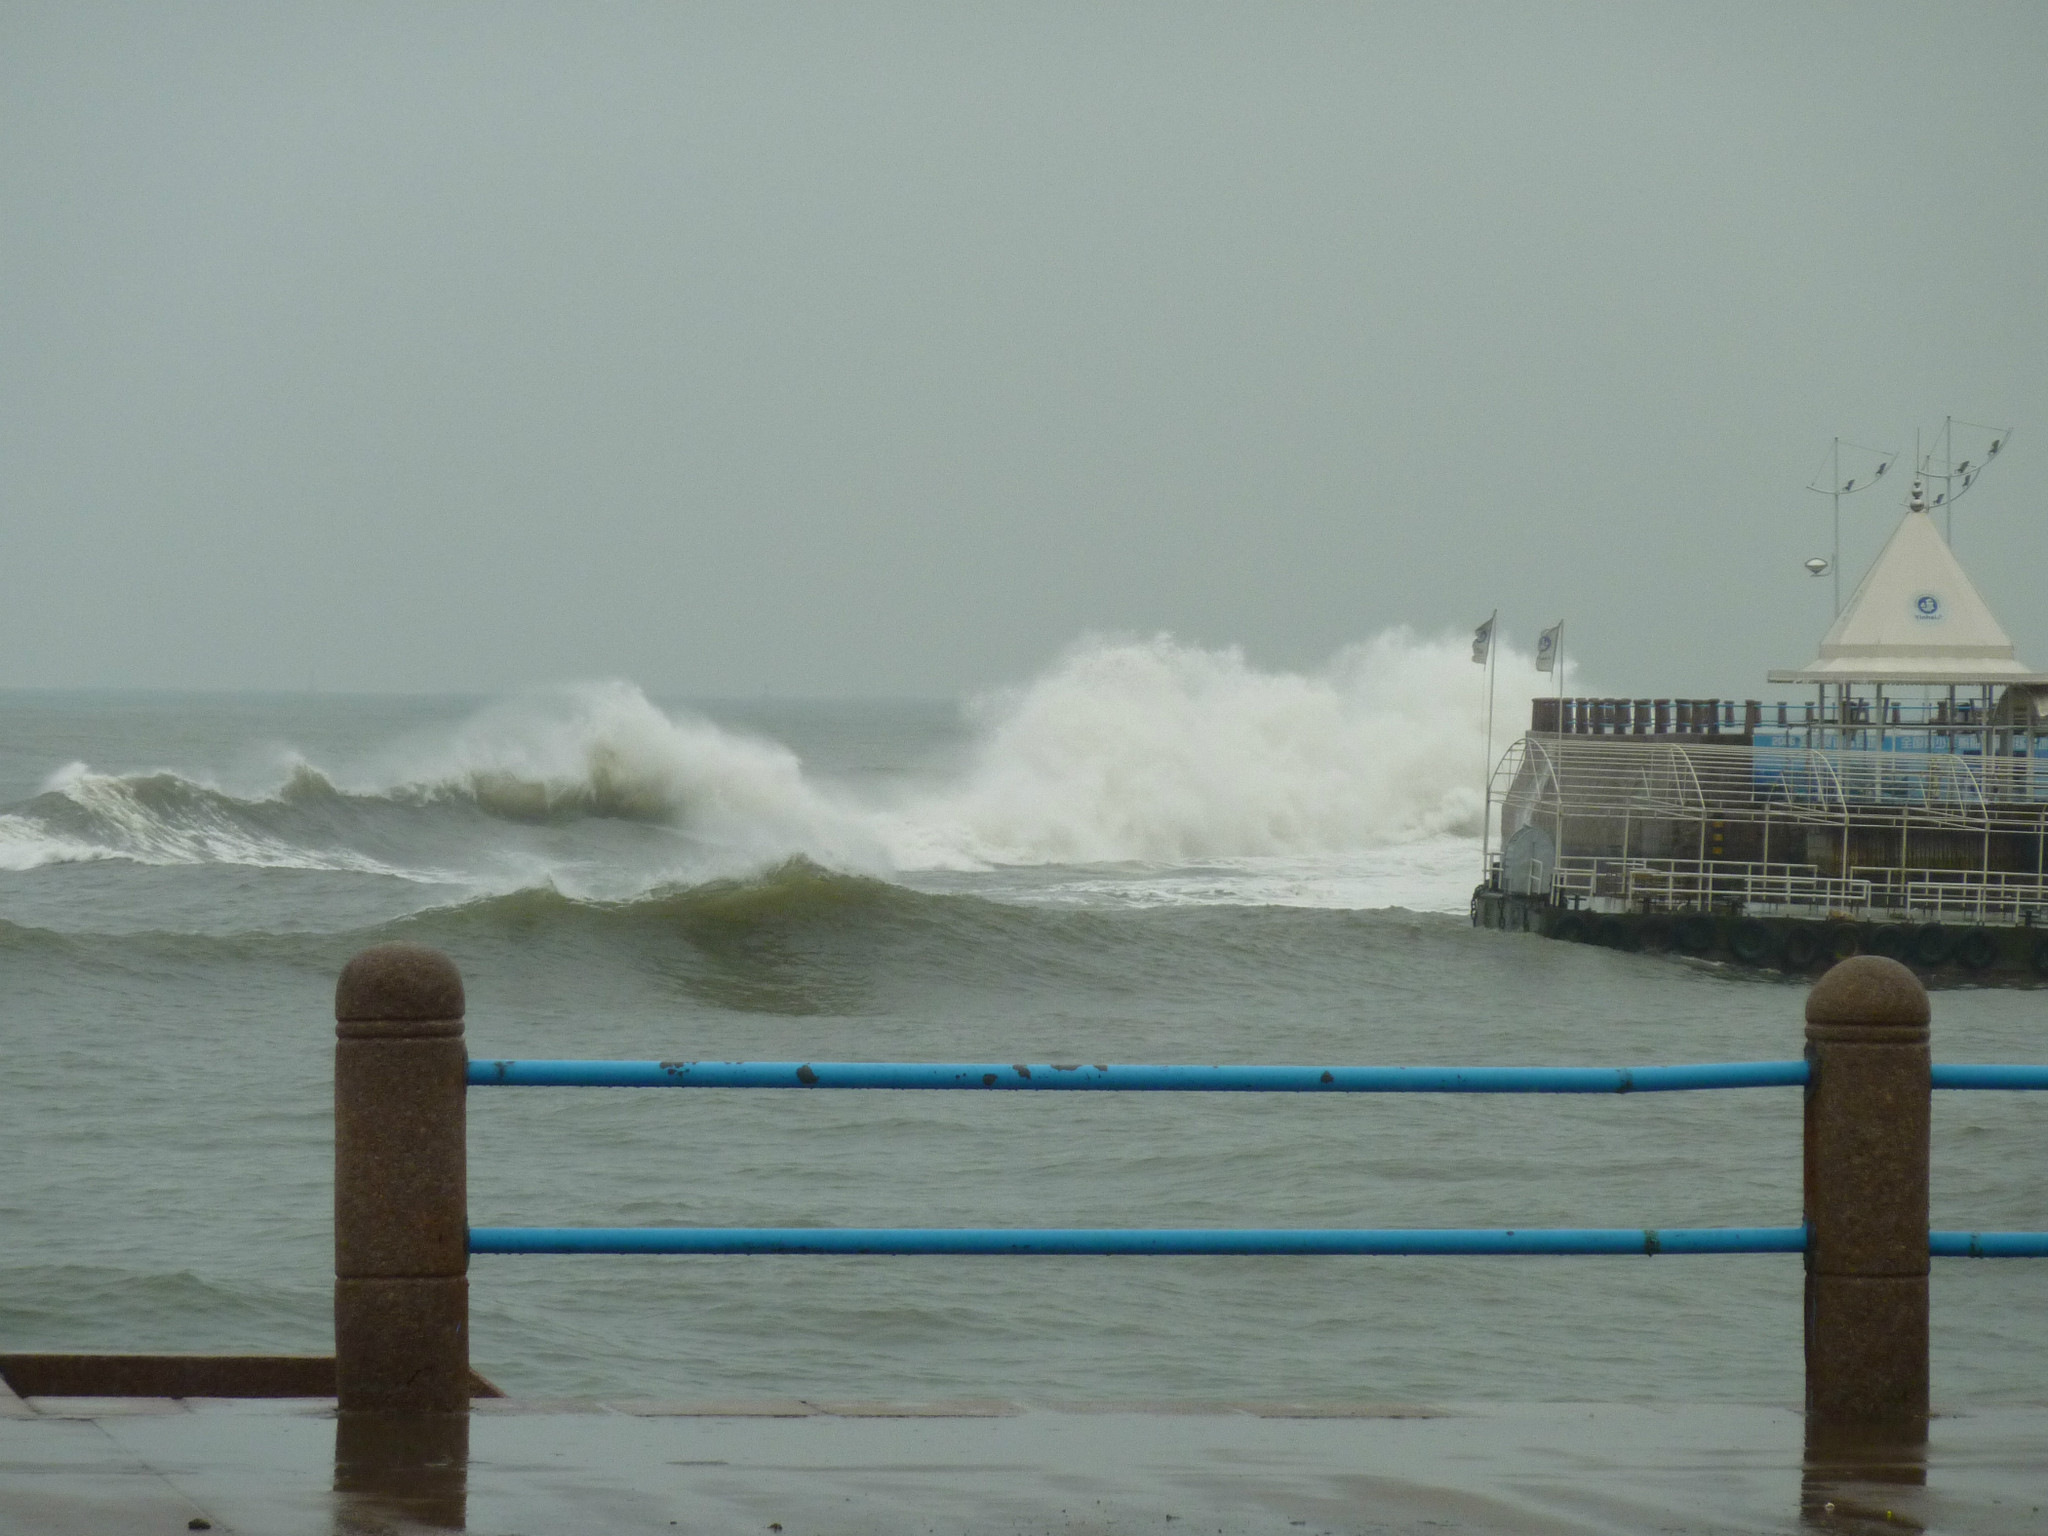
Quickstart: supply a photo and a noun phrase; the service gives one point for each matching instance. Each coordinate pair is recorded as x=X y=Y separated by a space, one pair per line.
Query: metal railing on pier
x=1972 y=895
x=1674 y=884
x=1670 y=885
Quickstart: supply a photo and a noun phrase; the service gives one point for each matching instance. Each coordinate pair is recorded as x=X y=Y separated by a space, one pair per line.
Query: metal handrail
x=1646 y=879
x=1027 y=1077
x=1143 y=1241
x=914 y=1076
x=1783 y=890
x=1976 y=902
x=1221 y=1242
x=1999 y=1076
x=1186 y=1241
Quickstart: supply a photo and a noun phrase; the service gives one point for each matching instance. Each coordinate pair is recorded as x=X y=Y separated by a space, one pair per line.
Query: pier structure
x=1901 y=809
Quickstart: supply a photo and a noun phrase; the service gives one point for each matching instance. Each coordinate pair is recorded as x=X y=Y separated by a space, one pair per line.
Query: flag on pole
x=1482 y=642
x=1546 y=646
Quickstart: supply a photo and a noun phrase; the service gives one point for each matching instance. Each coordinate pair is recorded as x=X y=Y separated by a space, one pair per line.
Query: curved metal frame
x=1606 y=788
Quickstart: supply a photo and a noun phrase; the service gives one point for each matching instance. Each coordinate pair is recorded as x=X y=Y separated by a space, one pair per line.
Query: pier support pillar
x=1867 y=1112
x=401 y=1209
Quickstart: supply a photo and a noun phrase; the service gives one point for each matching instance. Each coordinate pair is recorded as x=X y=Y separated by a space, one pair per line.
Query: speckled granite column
x=1867 y=1112
x=401 y=1210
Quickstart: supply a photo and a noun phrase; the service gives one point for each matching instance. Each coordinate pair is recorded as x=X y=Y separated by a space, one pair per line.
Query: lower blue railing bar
x=1134 y=1241
x=1219 y=1241
x=1139 y=1079
x=1988 y=1245
x=1965 y=1076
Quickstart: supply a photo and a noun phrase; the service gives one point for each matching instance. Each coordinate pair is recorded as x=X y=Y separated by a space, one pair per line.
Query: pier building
x=1898 y=804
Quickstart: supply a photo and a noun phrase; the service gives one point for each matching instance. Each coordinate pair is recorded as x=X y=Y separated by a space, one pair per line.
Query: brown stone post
x=1867 y=1107
x=401 y=1210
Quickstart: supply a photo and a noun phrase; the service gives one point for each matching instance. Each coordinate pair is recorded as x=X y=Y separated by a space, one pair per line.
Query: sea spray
x=1162 y=752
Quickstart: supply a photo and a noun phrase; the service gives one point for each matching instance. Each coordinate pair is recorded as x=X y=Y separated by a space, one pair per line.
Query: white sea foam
x=24 y=845
x=1431 y=874
x=196 y=826
x=605 y=750
x=1133 y=771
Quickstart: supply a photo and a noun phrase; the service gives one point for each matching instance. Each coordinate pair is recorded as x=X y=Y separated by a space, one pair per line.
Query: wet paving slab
x=792 y=1467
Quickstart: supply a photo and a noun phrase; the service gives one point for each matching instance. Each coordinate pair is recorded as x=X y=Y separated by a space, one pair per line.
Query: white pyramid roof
x=1915 y=619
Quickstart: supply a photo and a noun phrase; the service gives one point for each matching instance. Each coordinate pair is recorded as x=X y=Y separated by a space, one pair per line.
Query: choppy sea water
x=1151 y=853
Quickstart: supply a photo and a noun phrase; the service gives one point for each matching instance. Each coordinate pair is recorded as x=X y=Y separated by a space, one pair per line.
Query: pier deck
x=141 y=1465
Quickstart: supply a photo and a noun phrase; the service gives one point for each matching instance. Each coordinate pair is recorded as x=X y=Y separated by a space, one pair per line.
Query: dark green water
x=1060 y=878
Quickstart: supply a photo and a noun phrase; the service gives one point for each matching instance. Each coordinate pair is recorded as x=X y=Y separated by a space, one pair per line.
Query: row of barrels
x=1795 y=945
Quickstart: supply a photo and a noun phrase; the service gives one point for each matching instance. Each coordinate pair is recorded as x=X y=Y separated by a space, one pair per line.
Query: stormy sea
x=1151 y=852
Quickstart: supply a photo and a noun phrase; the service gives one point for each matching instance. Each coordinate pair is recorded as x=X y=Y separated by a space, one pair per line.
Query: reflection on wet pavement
x=400 y=1471
x=1864 y=1478
x=291 y=1467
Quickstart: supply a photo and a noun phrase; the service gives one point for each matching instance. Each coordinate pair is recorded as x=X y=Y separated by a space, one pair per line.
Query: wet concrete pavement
x=282 y=1467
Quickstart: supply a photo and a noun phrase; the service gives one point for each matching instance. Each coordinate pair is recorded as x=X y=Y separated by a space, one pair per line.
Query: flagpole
x=1486 y=767
x=1836 y=570
x=1557 y=767
x=1560 y=679
x=1485 y=814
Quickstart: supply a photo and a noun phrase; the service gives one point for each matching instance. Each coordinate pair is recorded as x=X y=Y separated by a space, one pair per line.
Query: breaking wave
x=1125 y=751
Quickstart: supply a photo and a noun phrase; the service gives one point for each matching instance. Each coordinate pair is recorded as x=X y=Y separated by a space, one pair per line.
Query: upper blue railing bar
x=1212 y=1241
x=1196 y=1079
x=1960 y=1076
x=1141 y=1241
x=1130 y=1079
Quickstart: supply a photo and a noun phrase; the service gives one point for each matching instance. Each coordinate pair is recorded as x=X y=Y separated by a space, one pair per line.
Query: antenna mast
x=1966 y=472
x=1836 y=488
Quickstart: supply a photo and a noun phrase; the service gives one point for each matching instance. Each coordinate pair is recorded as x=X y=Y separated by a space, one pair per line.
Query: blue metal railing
x=1029 y=1077
x=1988 y=1245
x=2000 y=1076
x=1076 y=1077
x=1238 y=1242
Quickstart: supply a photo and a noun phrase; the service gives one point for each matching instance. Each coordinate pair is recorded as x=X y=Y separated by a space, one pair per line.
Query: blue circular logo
x=1928 y=605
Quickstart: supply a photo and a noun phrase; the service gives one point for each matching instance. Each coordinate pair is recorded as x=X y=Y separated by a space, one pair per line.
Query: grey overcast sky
x=885 y=349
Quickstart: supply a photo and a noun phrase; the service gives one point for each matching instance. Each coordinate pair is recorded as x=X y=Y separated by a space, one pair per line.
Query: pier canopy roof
x=1916 y=618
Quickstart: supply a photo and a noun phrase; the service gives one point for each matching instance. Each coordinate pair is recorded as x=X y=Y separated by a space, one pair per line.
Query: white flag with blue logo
x=1482 y=642
x=1546 y=646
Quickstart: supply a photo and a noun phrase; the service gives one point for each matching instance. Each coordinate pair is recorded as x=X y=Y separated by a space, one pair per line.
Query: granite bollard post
x=1867 y=1112
x=401 y=1217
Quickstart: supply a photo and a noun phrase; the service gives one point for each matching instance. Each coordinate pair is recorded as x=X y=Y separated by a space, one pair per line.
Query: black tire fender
x=1694 y=933
x=1977 y=949
x=1753 y=942
x=1933 y=945
x=1801 y=947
